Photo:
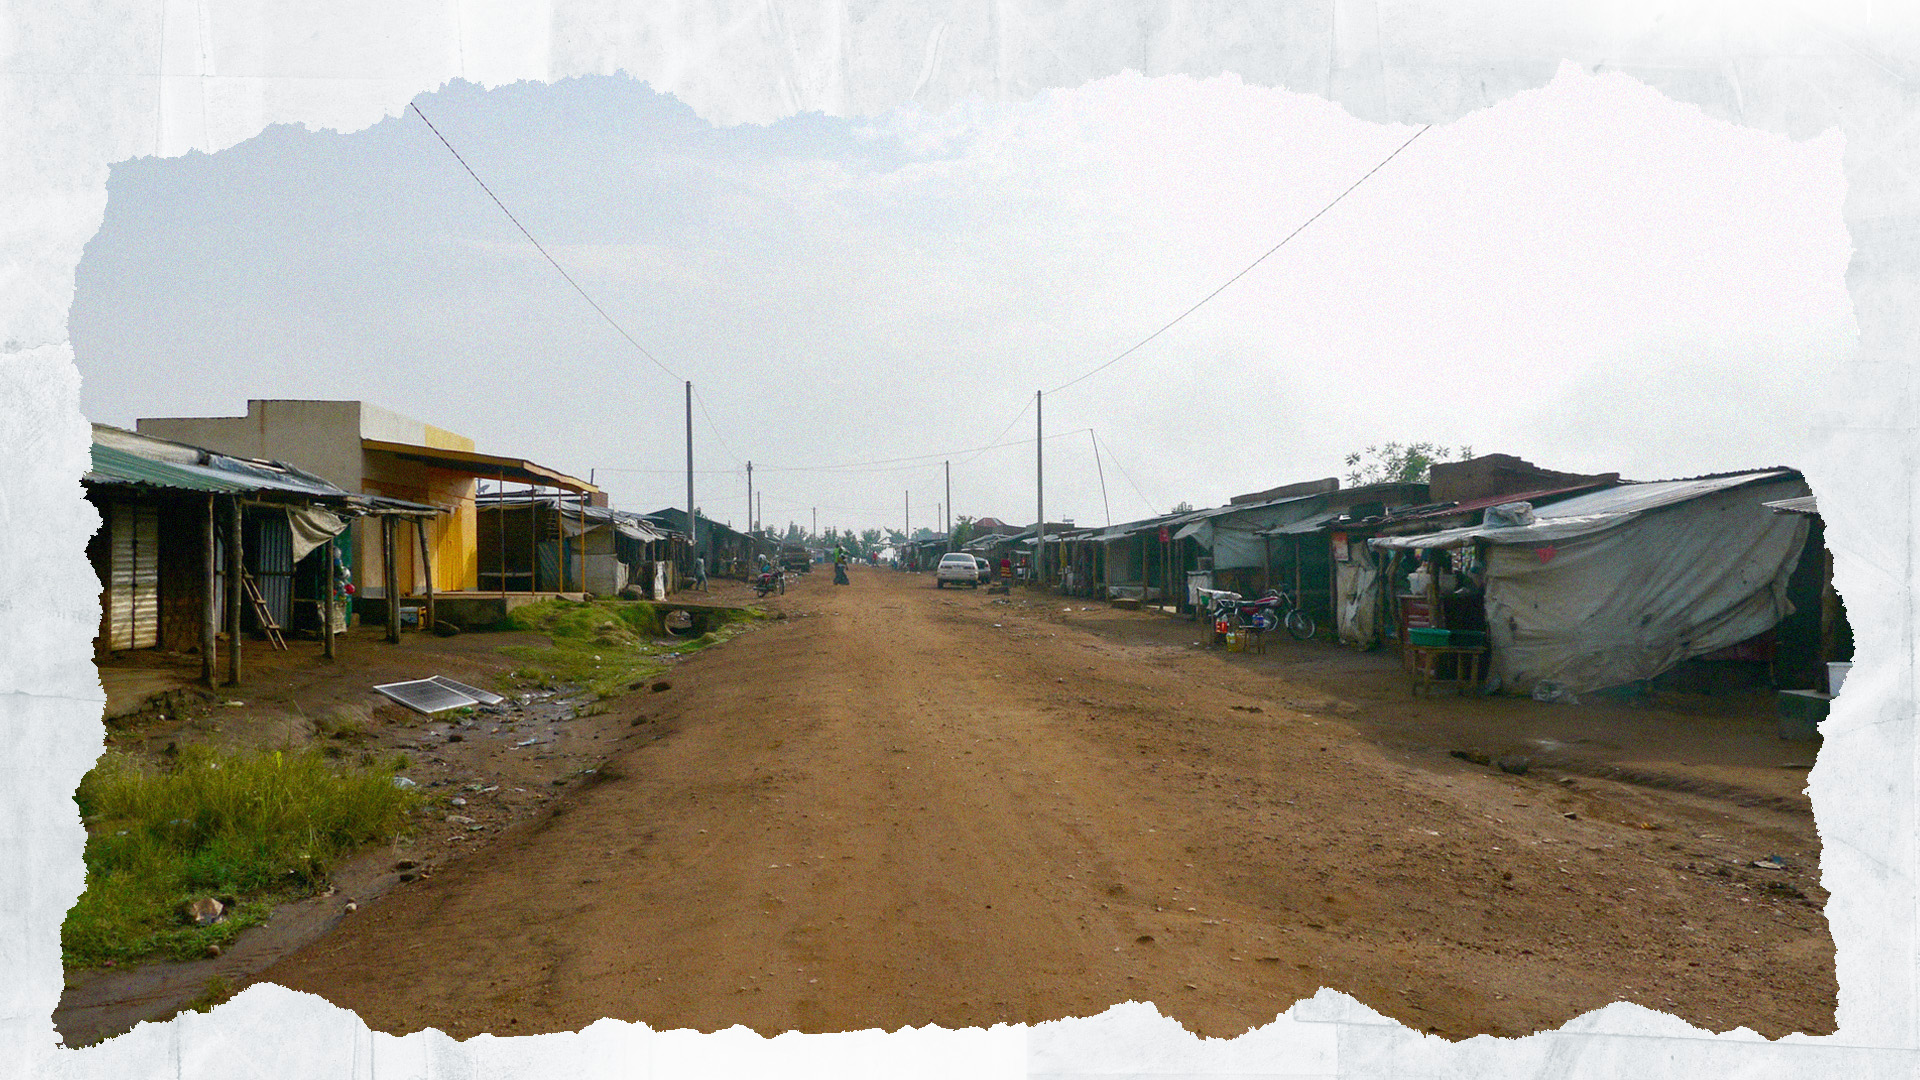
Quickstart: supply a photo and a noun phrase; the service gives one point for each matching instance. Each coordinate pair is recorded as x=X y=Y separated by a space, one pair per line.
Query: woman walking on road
x=840 y=566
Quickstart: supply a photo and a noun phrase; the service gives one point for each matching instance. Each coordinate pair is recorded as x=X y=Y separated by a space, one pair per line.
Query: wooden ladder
x=260 y=611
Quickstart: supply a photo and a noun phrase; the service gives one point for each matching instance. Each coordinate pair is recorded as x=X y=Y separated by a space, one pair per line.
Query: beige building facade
x=362 y=447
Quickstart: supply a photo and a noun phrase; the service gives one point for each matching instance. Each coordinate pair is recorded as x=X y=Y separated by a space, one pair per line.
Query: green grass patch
x=250 y=828
x=605 y=646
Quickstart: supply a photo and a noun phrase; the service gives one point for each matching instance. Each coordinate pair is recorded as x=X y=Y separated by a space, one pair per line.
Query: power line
x=673 y=472
x=1129 y=476
x=1250 y=266
x=543 y=251
x=864 y=466
x=702 y=399
x=1024 y=406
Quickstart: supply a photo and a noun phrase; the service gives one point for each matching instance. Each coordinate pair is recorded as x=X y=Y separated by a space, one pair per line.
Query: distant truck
x=796 y=560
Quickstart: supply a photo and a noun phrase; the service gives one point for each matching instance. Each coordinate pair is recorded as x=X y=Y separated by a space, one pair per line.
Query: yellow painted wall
x=454 y=536
x=442 y=439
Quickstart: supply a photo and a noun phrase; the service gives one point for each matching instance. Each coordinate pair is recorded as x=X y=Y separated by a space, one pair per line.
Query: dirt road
x=905 y=806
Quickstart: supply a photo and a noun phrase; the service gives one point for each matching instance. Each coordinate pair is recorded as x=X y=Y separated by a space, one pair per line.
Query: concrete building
x=364 y=448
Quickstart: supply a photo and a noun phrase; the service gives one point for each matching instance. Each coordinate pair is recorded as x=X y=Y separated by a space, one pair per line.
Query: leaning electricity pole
x=693 y=528
x=1039 y=492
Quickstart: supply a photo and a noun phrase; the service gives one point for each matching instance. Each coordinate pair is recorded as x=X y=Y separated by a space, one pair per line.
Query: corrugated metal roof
x=1805 y=504
x=1447 y=510
x=1590 y=513
x=483 y=466
x=1305 y=525
x=113 y=466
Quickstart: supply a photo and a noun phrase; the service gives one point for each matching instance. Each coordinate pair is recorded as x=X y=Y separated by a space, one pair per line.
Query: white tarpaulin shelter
x=1622 y=584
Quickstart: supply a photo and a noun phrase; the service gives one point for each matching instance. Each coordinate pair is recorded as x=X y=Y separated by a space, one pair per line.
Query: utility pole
x=909 y=517
x=815 y=537
x=949 y=518
x=749 y=497
x=759 y=515
x=1039 y=491
x=693 y=526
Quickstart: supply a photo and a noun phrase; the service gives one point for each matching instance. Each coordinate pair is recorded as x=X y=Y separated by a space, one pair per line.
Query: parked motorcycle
x=1269 y=612
x=770 y=581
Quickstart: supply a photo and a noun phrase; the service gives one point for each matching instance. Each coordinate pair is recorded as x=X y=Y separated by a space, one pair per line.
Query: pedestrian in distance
x=840 y=566
x=700 y=573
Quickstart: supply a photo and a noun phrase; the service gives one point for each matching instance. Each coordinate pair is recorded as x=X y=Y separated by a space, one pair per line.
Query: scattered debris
x=1771 y=862
x=203 y=912
x=427 y=696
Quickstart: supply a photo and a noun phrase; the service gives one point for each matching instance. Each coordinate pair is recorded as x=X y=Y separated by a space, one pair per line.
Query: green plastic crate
x=1424 y=635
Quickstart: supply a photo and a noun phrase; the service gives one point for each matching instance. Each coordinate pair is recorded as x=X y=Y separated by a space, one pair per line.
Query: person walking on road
x=840 y=566
x=700 y=573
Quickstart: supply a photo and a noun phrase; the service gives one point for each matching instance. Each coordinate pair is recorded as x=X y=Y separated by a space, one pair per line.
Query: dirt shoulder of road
x=482 y=774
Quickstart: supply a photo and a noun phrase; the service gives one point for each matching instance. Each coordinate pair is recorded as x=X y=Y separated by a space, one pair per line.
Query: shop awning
x=482 y=466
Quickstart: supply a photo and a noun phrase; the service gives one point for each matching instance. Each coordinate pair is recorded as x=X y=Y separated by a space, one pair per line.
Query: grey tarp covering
x=1232 y=533
x=311 y=528
x=1356 y=584
x=1666 y=580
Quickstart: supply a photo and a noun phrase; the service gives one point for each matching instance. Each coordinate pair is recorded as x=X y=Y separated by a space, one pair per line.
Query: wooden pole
x=390 y=569
x=1040 y=497
x=236 y=560
x=426 y=560
x=500 y=517
x=693 y=519
x=326 y=600
x=533 y=540
x=208 y=629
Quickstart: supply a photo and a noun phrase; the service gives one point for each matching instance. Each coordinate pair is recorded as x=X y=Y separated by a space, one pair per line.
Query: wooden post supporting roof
x=426 y=560
x=389 y=568
x=235 y=560
x=208 y=594
x=327 y=582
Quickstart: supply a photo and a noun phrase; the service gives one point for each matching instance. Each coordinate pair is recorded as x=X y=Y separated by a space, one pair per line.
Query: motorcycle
x=1270 y=612
x=770 y=581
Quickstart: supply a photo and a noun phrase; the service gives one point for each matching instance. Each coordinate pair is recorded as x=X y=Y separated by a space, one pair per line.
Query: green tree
x=962 y=530
x=1400 y=463
x=869 y=538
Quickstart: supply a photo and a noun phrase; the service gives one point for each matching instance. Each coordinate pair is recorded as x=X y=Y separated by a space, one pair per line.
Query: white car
x=956 y=568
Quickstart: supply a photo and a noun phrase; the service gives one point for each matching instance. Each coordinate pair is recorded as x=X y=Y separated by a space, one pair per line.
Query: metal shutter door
x=133 y=594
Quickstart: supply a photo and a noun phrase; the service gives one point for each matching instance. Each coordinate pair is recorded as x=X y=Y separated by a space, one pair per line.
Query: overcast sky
x=1589 y=276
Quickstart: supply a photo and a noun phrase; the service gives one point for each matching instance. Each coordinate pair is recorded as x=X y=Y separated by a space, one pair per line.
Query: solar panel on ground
x=426 y=696
x=484 y=697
